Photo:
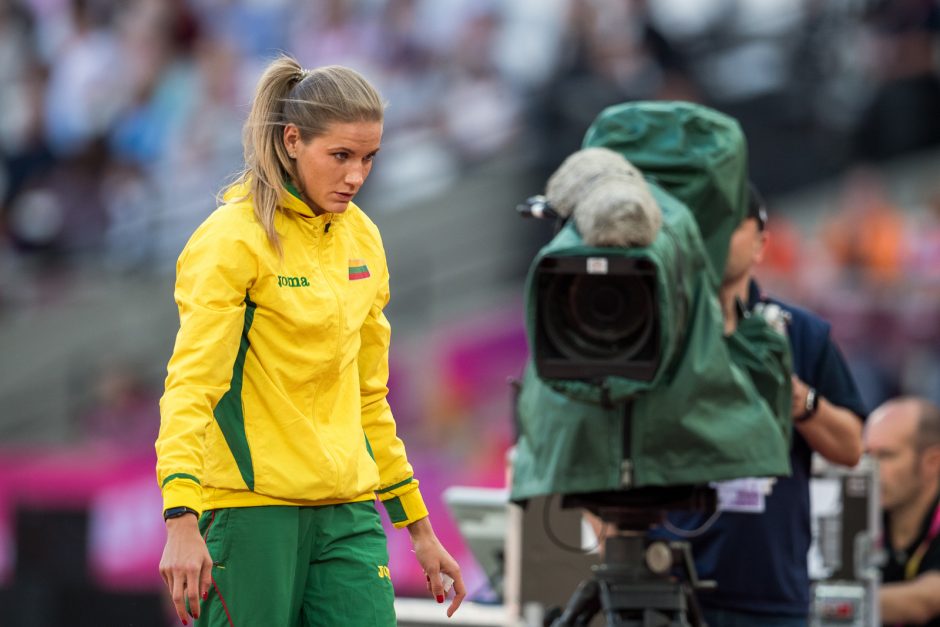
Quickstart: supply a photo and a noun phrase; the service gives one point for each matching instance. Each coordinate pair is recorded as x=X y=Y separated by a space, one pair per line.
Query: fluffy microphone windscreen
x=578 y=172
x=610 y=200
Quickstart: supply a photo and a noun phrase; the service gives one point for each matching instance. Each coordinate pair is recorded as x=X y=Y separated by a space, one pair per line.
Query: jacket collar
x=754 y=294
x=290 y=201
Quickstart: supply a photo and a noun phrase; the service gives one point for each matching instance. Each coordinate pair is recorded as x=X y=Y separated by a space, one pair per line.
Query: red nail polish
x=440 y=598
x=184 y=622
x=205 y=595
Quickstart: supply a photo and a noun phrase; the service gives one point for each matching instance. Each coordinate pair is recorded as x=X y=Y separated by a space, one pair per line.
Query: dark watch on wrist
x=812 y=404
x=176 y=512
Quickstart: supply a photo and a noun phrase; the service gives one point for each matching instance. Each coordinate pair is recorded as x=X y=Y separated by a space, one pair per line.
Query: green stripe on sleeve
x=179 y=475
x=230 y=412
x=396 y=511
x=396 y=486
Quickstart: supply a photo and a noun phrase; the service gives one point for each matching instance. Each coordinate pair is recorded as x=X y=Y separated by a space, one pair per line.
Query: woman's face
x=333 y=166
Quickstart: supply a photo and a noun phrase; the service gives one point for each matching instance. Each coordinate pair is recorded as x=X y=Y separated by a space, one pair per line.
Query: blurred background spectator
x=121 y=121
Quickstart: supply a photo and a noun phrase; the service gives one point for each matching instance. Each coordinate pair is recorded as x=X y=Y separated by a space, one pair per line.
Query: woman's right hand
x=186 y=566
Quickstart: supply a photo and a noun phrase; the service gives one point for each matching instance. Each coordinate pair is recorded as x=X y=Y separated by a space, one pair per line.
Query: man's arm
x=834 y=432
x=835 y=429
x=916 y=601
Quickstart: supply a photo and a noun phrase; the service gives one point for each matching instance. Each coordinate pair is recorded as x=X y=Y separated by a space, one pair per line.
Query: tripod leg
x=694 y=611
x=581 y=607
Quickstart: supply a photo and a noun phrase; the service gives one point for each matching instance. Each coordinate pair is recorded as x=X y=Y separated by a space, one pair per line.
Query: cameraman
x=757 y=552
x=903 y=434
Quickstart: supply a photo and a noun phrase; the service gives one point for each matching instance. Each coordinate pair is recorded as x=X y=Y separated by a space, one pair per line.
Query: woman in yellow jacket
x=276 y=435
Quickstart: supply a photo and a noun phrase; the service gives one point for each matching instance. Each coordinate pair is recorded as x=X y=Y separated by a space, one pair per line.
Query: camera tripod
x=641 y=582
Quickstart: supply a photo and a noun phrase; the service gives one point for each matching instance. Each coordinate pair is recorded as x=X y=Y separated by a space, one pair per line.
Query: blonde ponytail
x=311 y=100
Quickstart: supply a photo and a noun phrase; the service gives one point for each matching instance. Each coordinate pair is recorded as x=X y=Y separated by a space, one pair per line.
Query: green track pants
x=297 y=567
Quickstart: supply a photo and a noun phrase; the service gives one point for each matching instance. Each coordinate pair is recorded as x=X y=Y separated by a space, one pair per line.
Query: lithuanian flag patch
x=358 y=269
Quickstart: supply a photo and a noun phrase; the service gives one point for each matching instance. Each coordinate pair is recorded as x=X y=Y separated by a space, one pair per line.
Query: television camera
x=634 y=399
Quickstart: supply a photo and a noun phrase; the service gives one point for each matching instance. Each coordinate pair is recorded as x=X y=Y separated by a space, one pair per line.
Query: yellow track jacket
x=276 y=390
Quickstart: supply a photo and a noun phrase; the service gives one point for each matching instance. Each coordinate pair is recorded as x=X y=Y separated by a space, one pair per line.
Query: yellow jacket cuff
x=404 y=509
x=182 y=492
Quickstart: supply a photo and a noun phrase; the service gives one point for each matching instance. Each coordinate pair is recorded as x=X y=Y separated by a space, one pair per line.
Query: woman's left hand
x=436 y=562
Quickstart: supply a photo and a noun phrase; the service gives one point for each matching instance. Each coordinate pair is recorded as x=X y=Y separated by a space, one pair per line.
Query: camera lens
x=600 y=317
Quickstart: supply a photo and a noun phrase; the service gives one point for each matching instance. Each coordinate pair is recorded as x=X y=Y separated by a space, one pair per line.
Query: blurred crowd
x=122 y=118
x=871 y=266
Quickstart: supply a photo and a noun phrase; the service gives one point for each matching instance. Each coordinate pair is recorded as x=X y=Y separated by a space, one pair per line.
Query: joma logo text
x=292 y=281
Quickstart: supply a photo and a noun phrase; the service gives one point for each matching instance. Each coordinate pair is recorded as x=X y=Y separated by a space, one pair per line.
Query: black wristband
x=812 y=404
x=176 y=512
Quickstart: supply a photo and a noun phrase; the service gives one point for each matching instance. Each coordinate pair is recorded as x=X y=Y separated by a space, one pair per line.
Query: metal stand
x=641 y=582
x=627 y=590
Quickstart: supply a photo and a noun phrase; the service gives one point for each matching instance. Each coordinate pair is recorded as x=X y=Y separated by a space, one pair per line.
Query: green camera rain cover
x=718 y=406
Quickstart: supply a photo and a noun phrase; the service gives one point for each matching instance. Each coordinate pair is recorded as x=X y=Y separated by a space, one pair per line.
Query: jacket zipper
x=322 y=241
x=319 y=242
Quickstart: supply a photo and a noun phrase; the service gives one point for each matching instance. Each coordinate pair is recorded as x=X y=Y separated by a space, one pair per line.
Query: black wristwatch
x=176 y=512
x=812 y=404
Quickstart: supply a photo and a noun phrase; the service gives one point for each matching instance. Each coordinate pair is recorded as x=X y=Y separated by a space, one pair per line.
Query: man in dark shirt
x=904 y=436
x=758 y=553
